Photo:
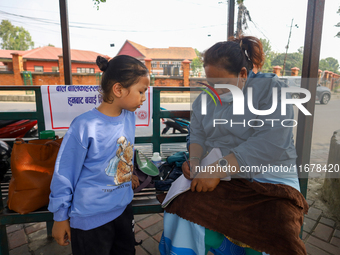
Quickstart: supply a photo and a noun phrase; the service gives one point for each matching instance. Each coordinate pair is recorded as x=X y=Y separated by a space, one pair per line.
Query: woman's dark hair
x=124 y=69
x=232 y=55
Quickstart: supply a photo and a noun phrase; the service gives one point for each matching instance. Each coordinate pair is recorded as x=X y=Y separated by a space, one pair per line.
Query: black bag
x=170 y=171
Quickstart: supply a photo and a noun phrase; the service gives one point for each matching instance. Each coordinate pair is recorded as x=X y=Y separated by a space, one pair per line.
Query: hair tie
x=243 y=46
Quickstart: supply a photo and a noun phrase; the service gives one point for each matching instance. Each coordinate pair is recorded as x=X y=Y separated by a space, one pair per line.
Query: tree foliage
x=293 y=60
x=197 y=63
x=329 y=64
x=269 y=55
x=14 y=38
x=276 y=59
x=97 y=2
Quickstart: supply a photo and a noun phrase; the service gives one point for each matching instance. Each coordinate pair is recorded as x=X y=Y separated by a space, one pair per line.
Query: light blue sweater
x=85 y=186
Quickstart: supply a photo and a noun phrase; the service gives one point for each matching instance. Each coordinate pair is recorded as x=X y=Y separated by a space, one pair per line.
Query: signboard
x=62 y=103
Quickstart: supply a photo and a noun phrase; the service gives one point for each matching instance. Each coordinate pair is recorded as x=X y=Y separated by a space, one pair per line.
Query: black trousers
x=113 y=238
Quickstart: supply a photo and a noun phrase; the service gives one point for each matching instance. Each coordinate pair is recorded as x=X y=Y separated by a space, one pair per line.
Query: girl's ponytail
x=122 y=69
x=102 y=63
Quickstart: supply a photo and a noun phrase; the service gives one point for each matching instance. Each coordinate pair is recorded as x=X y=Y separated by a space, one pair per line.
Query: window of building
x=163 y=63
x=55 y=69
x=3 y=68
x=85 y=70
x=38 y=69
x=153 y=64
x=177 y=63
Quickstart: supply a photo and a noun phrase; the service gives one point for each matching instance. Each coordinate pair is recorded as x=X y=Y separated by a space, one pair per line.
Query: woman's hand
x=61 y=232
x=204 y=182
x=189 y=173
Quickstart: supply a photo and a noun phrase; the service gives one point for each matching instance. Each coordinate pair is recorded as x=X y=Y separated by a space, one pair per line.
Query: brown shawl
x=267 y=217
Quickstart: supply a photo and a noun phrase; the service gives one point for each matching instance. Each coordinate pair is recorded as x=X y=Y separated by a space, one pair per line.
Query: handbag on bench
x=32 y=165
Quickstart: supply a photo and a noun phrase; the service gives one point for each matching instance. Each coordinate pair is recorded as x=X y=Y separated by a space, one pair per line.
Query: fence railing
x=156 y=139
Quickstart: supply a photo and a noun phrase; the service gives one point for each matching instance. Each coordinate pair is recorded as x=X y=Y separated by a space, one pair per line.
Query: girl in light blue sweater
x=91 y=189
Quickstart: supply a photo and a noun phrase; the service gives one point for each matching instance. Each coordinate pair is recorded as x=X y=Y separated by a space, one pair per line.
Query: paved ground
x=321 y=229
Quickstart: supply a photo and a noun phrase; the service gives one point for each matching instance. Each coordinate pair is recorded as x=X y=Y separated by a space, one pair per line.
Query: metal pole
x=310 y=67
x=231 y=14
x=287 y=46
x=65 y=41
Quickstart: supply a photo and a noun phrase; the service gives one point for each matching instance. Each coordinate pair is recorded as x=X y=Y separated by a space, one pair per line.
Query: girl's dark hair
x=232 y=55
x=124 y=69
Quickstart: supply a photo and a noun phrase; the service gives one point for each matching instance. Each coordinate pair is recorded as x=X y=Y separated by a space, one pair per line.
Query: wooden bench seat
x=144 y=202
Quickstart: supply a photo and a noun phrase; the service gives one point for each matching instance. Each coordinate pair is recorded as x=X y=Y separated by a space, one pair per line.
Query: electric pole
x=290 y=33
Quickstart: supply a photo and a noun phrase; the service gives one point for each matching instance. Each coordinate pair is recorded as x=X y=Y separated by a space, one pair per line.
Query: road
x=326 y=121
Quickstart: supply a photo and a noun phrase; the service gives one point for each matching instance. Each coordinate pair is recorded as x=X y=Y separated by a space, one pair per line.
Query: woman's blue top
x=261 y=143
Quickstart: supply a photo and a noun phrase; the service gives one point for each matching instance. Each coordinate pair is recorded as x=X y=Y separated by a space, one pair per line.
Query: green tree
x=329 y=64
x=14 y=38
x=338 y=25
x=293 y=60
x=51 y=45
x=197 y=63
x=269 y=55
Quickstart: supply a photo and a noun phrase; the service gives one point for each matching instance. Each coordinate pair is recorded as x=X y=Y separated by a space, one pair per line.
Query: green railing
x=36 y=115
x=156 y=139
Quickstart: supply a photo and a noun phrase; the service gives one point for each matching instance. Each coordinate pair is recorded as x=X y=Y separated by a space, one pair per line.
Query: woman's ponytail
x=236 y=53
x=252 y=49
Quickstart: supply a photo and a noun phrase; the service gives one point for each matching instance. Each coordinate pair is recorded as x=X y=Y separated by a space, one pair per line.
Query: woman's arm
x=209 y=180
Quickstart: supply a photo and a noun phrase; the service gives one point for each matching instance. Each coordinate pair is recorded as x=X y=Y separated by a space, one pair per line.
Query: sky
x=161 y=24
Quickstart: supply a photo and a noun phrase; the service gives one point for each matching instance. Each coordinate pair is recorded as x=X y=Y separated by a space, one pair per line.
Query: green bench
x=144 y=202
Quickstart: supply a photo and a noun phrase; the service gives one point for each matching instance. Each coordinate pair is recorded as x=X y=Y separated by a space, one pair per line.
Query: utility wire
x=258 y=29
x=97 y=26
x=17 y=8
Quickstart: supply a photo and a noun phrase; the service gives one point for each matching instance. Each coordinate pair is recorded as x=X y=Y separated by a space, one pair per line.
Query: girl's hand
x=204 y=182
x=61 y=232
x=135 y=181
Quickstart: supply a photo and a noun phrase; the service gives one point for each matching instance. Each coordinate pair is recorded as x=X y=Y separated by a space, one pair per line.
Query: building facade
x=164 y=61
x=46 y=60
